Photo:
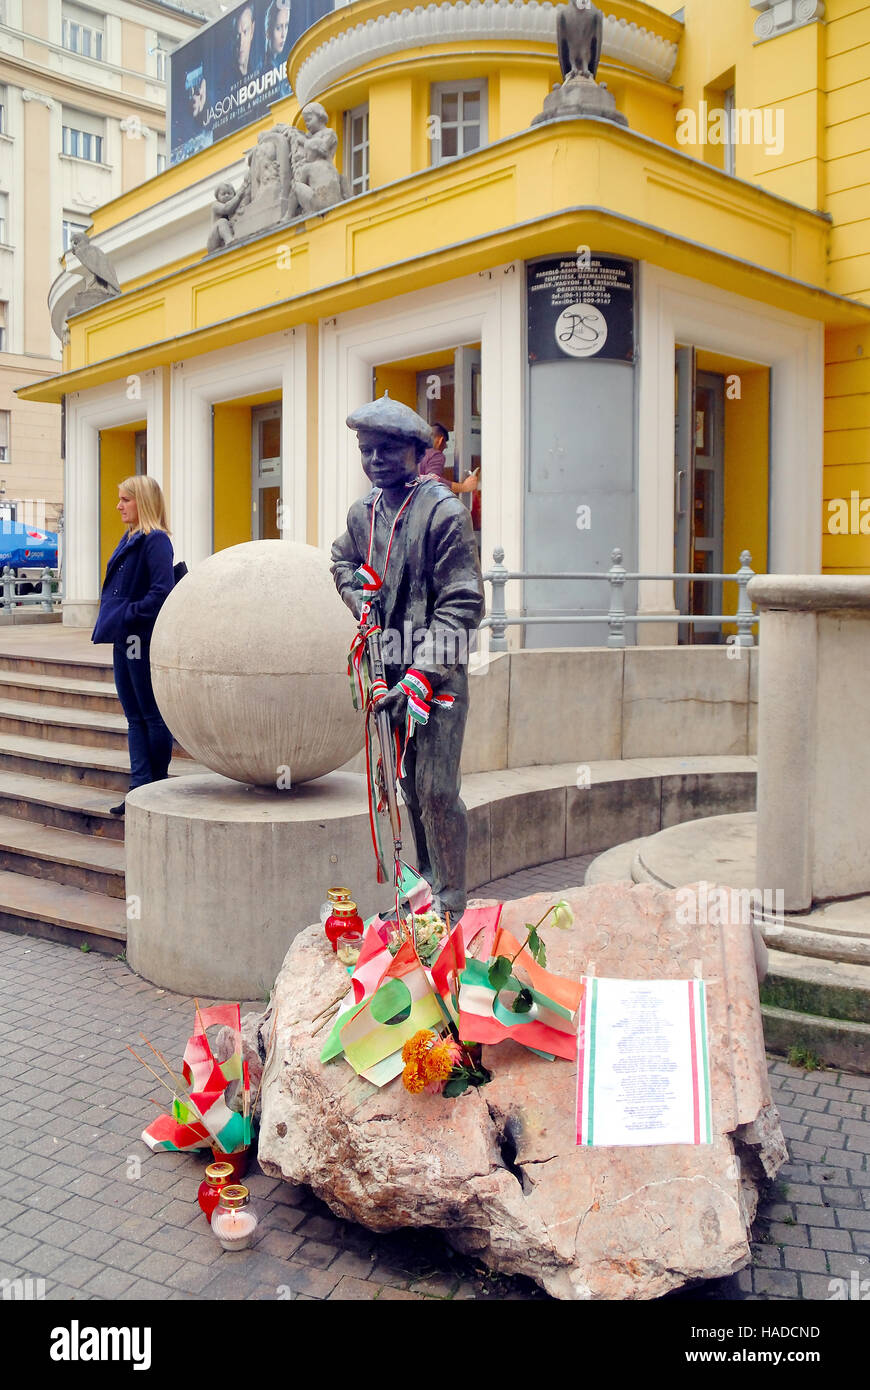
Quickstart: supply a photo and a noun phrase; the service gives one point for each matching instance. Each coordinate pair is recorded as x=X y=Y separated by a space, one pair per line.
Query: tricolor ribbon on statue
x=420 y=698
x=360 y=689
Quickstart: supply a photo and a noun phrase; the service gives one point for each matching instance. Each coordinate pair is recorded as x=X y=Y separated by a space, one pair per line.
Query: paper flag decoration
x=203 y=1117
x=549 y=1027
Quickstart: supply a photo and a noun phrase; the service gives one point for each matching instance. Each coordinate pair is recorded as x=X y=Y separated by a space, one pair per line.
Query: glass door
x=266 y=472
x=699 y=452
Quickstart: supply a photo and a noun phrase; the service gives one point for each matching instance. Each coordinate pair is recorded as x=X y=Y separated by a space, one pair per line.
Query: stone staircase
x=63 y=763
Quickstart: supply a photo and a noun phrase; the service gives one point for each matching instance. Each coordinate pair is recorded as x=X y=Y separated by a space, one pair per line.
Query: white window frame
x=358 y=113
x=730 y=153
x=439 y=90
x=72 y=226
x=4 y=108
x=82 y=144
x=5 y=420
x=4 y=218
x=87 y=40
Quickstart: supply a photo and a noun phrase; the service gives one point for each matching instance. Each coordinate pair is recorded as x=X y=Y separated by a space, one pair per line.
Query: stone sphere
x=249 y=665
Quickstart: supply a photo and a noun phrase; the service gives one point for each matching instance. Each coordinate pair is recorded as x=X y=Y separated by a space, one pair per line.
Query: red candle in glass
x=344 y=919
x=217 y=1176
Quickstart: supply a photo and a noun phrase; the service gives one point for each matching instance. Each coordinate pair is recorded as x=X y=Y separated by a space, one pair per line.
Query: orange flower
x=441 y=1060
x=417 y=1046
x=413 y=1079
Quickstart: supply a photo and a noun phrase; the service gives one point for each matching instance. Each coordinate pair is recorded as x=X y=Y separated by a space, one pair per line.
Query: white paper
x=643 y=1066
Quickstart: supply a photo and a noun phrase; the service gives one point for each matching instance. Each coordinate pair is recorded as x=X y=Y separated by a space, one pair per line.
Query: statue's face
x=314 y=121
x=388 y=461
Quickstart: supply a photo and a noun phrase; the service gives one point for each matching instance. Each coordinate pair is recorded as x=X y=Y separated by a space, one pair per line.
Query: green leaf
x=456 y=1086
x=500 y=972
x=537 y=948
x=523 y=1002
x=541 y=957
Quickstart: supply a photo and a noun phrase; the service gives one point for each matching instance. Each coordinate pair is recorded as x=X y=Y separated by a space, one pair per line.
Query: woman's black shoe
x=117 y=810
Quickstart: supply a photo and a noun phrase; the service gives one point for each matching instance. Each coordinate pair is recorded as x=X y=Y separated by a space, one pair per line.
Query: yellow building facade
x=722 y=244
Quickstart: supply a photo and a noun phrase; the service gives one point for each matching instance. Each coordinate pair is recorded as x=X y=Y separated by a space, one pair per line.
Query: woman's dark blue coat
x=138 y=578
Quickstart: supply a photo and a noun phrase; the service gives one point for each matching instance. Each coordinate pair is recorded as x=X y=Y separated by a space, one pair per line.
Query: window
x=83 y=135
x=161 y=153
x=728 y=107
x=4 y=436
x=4 y=219
x=3 y=346
x=3 y=118
x=83 y=31
x=356 y=149
x=71 y=228
x=458 y=121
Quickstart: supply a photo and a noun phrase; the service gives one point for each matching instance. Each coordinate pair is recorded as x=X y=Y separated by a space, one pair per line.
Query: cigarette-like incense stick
x=152 y=1071
x=159 y=1055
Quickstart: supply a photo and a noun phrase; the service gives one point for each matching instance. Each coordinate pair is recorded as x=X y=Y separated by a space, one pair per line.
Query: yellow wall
x=848 y=146
x=847 y=444
x=401 y=384
x=232 y=475
x=117 y=462
x=747 y=451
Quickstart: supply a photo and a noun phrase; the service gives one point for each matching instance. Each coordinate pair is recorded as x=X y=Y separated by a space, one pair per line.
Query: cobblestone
x=71 y=1214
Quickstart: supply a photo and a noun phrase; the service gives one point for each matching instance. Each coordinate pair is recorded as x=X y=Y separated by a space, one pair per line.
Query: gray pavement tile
x=94 y=1244
x=775 y=1281
x=62 y=1233
x=77 y=1270
x=280 y=1243
x=143 y=1290
x=44 y=1259
x=806 y=1261
x=192 y=1279
x=313 y=1252
x=125 y=1255
x=857 y=1220
x=348 y=1288
x=158 y=1265
x=15 y=1247
x=29 y=1222
x=816 y=1286
x=842 y=1264
x=823 y=1239
x=109 y=1284
x=816 y=1216
x=783 y=1234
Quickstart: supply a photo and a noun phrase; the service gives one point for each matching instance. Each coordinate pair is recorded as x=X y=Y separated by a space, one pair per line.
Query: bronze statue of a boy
x=410 y=542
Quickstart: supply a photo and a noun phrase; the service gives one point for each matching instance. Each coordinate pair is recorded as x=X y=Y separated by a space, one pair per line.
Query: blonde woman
x=138 y=578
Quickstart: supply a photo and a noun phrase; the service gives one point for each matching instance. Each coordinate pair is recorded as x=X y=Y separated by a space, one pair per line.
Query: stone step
x=19 y=660
x=66 y=805
x=61 y=724
x=63 y=691
x=835 y=1042
x=614 y=865
x=74 y=916
x=70 y=762
x=63 y=856
x=810 y=985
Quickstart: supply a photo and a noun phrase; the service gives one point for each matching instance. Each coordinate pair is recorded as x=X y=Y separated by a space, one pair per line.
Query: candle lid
x=234 y=1196
x=337 y=894
x=344 y=909
x=219 y=1172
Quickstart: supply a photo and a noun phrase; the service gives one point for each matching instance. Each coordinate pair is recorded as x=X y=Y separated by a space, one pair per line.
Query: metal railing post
x=498 y=579
x=46 y=604
x=616 y=615
x=745 y=614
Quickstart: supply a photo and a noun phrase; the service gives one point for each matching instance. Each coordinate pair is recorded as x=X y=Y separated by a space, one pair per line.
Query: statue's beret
x=393 y=418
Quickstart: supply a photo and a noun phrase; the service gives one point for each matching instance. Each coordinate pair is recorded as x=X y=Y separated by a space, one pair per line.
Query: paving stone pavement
x=87 y=1209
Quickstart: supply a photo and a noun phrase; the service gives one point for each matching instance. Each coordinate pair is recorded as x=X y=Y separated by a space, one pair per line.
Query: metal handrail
x=498 y=619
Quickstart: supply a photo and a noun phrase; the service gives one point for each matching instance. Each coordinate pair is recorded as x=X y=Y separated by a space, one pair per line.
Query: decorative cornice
x=43 y=97
x=470 y=21
x=781 y=16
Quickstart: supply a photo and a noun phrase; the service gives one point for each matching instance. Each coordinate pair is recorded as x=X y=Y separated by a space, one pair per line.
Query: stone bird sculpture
x=579 y=32
x=99 y=273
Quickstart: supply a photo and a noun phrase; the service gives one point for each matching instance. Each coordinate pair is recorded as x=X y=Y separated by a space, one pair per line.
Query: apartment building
x=82 y=121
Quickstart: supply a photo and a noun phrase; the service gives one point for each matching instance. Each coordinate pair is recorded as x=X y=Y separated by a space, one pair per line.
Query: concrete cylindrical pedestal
x=223 y=876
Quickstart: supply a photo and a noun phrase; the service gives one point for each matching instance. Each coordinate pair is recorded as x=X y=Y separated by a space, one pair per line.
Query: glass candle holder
x=348 y=948
x=344 y=919
x=217 y=1177
x=234 y=1221
x=333 y=896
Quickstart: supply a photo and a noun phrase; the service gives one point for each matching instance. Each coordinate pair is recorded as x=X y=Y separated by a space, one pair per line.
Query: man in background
x=433 y=462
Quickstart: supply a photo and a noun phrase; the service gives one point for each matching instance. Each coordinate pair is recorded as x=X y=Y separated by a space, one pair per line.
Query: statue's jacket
x=432 y=596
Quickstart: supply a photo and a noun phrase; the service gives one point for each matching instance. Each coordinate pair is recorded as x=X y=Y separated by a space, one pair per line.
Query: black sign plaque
x=581 y=306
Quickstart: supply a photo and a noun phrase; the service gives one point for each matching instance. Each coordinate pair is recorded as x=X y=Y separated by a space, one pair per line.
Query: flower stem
x=534 y=928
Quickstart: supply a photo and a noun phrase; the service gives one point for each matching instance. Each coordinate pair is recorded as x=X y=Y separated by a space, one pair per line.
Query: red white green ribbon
x=418 y=691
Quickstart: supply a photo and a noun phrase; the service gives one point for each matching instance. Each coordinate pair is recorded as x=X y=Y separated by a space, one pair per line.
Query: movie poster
x=232 y=70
